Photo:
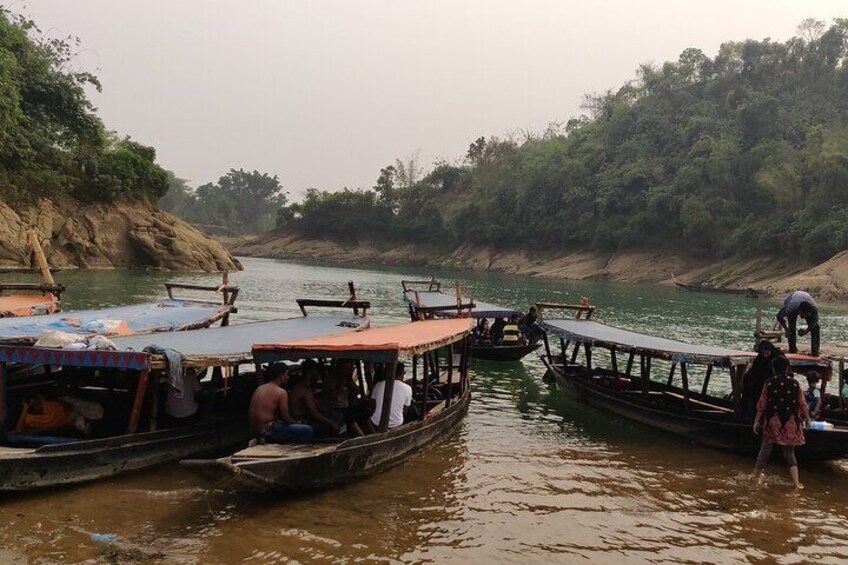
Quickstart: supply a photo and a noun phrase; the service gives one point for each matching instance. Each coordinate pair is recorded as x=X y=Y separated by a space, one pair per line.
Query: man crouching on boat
x=269 y=411
x=799 y=303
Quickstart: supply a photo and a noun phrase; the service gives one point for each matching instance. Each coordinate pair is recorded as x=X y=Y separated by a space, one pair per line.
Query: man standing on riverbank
x=799 y=303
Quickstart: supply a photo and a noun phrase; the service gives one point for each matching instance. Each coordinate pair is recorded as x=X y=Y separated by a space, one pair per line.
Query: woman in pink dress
x=783 y=413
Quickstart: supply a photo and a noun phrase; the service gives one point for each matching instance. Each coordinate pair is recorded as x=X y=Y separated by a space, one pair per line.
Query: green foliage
x=743 y=153
x=51 y=141
x=244 y=202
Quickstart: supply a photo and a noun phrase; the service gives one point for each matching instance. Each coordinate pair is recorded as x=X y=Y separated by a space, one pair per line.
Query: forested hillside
x=51 y=140
x=742 y=153
x=88 y=193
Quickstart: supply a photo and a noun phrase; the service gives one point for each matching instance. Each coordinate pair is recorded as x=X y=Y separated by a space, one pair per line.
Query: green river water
x=528 y=477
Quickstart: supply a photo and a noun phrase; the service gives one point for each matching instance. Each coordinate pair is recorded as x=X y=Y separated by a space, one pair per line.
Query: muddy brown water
x=529 y=476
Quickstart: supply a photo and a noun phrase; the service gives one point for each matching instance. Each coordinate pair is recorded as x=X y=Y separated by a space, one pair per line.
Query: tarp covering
x=165 y=315
x=27 y=305
x=596 y=333
x=437 y=299
x=206 y=347
x=233 y=343
x=376 y=343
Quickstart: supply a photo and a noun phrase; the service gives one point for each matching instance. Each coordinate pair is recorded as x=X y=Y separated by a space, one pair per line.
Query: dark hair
x=400 y=367
x=274 y=371
x=781 y=365
x=813 y=377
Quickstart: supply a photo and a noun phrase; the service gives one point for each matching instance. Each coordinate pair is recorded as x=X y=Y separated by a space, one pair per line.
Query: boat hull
x=83 y=461
x=713 y=432
x=502 y=352
x=326 y=467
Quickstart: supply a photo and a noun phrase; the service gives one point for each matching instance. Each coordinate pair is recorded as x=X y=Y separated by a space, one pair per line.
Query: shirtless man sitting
x=269 y=411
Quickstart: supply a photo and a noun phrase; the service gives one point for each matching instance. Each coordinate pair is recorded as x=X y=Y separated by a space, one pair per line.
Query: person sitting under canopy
x=269 y=414
x=401 y=399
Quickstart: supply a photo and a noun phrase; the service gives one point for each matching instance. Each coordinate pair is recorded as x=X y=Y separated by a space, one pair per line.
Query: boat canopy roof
x=374 y=344
x=438 y=299
x=221 y=346
x=608 y=337
x=162 y=316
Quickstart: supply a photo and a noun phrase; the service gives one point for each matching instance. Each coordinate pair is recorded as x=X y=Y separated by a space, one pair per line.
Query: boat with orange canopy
x=32 y=299
x=439 y=379
x=35 y=300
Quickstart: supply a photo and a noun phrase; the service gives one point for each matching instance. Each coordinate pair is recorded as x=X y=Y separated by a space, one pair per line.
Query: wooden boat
x=441 y=396
x=29 y=299
x=684 y=410
x=32 y=299
x=703 y=287
x=427 y=296
x=131 y=384
x=490 y=352
x=171 y=314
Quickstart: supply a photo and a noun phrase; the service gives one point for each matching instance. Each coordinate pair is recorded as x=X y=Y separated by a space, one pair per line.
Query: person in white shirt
x=181 y=407
x=401 y=399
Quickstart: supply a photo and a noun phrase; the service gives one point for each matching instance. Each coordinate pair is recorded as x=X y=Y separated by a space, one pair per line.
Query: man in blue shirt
x=799 y=303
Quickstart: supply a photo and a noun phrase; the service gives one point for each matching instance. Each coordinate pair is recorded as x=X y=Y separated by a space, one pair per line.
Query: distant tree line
x=51 y=140
x=742 y=153
x=241 y=201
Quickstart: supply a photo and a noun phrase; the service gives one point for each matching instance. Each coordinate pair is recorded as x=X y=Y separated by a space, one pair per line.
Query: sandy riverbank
x=828 y=280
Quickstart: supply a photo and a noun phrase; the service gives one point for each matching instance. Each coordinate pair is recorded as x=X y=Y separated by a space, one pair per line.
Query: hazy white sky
x=325 y=93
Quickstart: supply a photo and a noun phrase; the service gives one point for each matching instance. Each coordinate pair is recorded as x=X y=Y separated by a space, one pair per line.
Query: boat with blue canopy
x=425 y=298
x=167 y=315
x=122 y=393
x=616 y=370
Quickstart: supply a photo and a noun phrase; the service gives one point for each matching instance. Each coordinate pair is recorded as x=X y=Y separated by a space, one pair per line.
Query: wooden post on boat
x=40 y=258
x=426 y=377
x=548 y=349
x=628 y=371
x=671 y=373
x=684 y=378
x=352 y=290
x=574 y=353
x=463 y=363
x=614 y=362
x=138 y=402
x=154 y=404
x=644 y=374
x=736 y=385
x=841 y=382
x=706 y=384
x=388 y=391
x=588 y=350
x=3 y=408
x=450 y=376
x=225 y=291
x=415 y=385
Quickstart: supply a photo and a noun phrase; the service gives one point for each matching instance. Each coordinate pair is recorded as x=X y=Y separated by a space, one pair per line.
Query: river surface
x=528 y=477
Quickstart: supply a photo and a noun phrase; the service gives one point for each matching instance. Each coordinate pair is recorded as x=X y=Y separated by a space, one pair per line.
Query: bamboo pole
x=40 y=258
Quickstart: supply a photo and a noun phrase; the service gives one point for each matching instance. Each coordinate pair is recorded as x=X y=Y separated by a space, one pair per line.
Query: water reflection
x=529 y=476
